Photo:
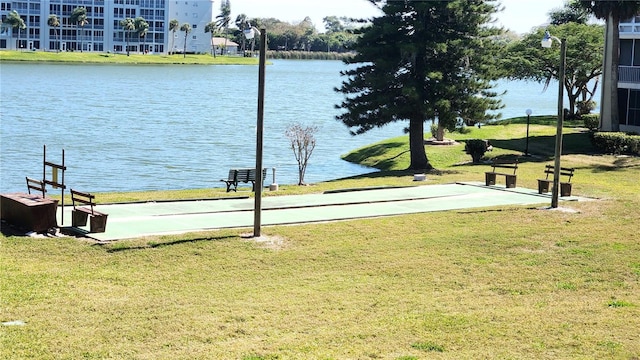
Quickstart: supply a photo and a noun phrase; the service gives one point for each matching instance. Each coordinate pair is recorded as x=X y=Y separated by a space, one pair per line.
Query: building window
x=633 y=115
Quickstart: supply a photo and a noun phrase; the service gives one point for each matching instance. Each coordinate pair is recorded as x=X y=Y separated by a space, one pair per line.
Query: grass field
x=133 y=58
x=494 y=283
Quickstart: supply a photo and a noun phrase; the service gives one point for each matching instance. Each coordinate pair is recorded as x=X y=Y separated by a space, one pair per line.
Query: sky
x=519 y=16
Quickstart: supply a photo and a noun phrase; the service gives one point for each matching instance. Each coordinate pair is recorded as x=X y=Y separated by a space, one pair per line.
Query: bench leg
x=565 y=189
x=511 y=181
x=78 y=218
x=543 y=186
x=98 y=224
x=231 y=186
x=490 y=178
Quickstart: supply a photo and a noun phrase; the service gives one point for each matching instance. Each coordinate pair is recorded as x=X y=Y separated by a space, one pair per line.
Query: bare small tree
x=303 y=142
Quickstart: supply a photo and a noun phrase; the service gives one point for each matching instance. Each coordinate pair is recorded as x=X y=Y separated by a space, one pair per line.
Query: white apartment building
x=629 y=75
x=103 y=31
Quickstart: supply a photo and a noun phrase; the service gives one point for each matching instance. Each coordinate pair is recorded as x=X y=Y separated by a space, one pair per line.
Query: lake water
x=129 y=128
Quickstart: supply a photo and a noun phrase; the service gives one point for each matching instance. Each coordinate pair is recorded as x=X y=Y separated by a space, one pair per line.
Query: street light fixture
x=546 y=42
x=526 y=148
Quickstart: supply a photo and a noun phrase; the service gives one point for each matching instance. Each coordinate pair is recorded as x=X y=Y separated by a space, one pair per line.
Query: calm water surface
x=127 y=128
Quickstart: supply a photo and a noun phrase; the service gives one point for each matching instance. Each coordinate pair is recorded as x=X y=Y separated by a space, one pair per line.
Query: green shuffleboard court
x=127 y=221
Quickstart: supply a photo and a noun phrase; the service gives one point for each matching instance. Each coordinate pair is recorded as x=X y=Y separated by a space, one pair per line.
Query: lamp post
x=526 y=148
x=546 y=43
x=257 y=211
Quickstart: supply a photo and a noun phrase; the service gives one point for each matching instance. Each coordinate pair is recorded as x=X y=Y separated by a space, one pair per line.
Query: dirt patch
x=273 y=242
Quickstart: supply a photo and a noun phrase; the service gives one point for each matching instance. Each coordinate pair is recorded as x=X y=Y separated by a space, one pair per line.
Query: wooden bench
x=242 y=175
x=37 y=185
x=490 y=176
x=80 y=200
x=565 y=186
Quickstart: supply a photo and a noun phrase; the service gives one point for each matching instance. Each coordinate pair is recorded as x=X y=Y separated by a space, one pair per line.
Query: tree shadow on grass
x=544 y=146
x=119 y=247
x=371 y=155
x=621 y=163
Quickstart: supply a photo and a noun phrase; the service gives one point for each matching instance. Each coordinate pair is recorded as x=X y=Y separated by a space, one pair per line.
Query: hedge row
x=616 y=142
x=307 y=55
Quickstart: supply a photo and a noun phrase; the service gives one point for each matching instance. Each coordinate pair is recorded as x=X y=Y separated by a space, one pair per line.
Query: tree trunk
x=418 y=155
x=440 y=132
x=609 y=119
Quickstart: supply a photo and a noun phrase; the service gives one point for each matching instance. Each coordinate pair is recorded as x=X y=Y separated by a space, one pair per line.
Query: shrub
x=591 y=121
x=585 y=107
x=476 y=148
x=616 y=142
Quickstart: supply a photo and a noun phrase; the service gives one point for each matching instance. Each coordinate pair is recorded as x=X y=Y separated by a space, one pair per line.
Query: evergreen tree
x=420 y=61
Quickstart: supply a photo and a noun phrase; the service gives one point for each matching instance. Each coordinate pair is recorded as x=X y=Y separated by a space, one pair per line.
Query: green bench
x=242 y=175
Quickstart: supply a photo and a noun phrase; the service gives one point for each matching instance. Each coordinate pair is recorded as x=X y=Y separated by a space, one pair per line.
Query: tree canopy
x=421 y=61
x=527 y=60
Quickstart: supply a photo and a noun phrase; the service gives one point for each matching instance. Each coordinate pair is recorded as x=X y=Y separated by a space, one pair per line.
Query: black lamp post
x=546 y=43
x=526 y=148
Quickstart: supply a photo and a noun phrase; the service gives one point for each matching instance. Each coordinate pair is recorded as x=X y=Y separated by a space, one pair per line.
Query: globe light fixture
x=547 y=40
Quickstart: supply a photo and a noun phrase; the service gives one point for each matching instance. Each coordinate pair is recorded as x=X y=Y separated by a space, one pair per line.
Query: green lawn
x=133 y=58
x=494 y=283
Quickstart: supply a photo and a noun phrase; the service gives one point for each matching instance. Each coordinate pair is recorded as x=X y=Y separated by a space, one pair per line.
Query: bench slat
x=38 y=185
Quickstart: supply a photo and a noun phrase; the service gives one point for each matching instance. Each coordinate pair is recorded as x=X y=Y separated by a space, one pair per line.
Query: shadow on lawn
x=119 y=247
x=543 y=147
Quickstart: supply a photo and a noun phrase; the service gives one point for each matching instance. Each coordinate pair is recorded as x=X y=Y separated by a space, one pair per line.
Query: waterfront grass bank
x=494 y=283
x=133 y=58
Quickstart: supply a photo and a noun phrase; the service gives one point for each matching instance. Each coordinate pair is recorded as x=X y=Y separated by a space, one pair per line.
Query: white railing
x=629 y=28
x=629 y=74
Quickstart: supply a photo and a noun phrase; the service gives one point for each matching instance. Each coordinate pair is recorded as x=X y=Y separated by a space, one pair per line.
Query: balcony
x=629 y=74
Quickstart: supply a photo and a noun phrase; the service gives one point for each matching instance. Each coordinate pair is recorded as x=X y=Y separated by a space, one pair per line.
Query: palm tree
x=186 y=27
x=211 y=28
x=53 y=22
x=141 y=27
x=79 y=18
x=612 y=11
x=243 y=24
x=16 y=22
x=174 y=25
x=128 y=26
x=224 y=18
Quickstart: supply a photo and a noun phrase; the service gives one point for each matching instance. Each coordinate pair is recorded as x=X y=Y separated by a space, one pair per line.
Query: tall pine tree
x=421 y=61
